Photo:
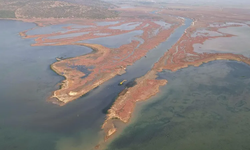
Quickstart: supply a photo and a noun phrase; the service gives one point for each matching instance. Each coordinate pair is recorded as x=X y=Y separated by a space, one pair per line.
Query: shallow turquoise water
x=201 y=108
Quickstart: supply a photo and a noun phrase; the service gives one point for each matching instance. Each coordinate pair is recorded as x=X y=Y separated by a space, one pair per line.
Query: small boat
x=59 y=58
x=121 y=83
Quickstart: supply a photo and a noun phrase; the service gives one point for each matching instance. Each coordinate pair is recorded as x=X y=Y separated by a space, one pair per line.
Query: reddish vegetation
x=44 y=39
x=181 y=55
x=105 y=62
x=125 y=103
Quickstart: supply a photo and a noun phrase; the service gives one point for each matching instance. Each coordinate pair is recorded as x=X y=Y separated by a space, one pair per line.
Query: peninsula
x=144 y=28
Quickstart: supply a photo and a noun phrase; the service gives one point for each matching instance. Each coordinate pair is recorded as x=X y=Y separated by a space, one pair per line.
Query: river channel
x=27 y=120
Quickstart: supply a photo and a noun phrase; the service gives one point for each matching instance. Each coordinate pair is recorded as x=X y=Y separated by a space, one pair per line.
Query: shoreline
x=125 y=103
x=52 y=99
x=73 y=86
x=64 y=83
x=77 y=83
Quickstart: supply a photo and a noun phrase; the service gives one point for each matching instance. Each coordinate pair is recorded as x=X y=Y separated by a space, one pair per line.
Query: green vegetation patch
x=7 y=14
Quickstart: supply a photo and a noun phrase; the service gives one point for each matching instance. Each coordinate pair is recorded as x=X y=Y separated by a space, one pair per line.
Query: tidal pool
x=70 y=35
x=56 y=28
x=127 y=26
x=115 y=41
x=163 y=24
x=101 y=34
x=238 y=44
x=106 y=23
x=48 y=29
x=204 y=107
x=205 y=33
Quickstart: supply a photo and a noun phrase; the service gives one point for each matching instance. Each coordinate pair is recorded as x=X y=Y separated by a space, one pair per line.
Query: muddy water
x=204 y=107
x=27 y=121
